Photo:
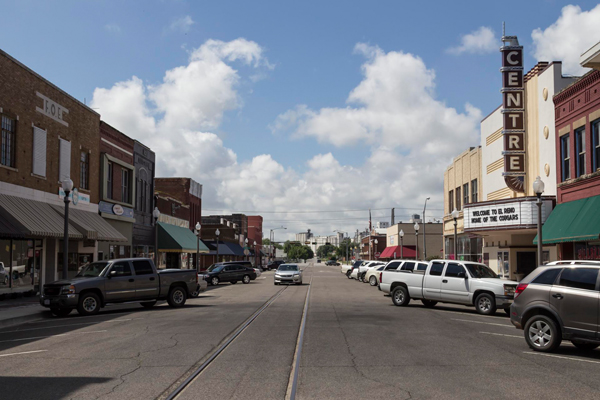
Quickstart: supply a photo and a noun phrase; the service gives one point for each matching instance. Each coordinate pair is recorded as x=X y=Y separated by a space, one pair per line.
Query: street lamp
x=198 y=226
x=156 y=214
x=455 y=215
x=246 y=248
x=538 y=188
x=272 y=240
x=217 y=233
x=417 y=240
x=401 y=234
x=67 y=186
x=375 y=241
x=255 y=256
x=424 y=225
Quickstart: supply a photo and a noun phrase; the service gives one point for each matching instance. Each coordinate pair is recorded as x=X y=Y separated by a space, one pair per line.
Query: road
x=356 y=345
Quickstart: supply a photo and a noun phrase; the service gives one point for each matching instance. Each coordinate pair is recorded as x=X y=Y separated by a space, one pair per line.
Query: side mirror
x=112 y=274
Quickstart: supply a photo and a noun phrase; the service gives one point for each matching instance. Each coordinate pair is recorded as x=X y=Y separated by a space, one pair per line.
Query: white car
x=258 y=272
x=348 y=267
x=363 y=269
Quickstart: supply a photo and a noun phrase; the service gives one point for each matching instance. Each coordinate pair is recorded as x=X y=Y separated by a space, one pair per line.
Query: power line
x=317 y=211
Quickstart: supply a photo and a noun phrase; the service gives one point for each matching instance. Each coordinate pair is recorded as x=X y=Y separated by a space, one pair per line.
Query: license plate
x=46 y=302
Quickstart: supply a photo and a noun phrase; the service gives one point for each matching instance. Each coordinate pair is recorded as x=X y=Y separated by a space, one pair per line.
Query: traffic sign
x=377 y=254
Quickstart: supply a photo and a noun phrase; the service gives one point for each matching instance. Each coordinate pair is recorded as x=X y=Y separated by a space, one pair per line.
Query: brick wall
x=18 y=100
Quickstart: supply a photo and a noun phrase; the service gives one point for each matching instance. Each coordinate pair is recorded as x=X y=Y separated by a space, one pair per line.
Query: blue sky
x=309 y=45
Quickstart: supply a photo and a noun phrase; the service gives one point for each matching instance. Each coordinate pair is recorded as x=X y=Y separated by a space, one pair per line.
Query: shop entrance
x=526 y=263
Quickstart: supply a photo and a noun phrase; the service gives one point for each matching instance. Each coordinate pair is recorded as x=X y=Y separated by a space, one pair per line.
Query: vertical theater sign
x=513 y=113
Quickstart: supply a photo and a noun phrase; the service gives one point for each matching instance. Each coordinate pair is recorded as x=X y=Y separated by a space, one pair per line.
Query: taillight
x=380 y=276
x=520 y=288
x=196 y=277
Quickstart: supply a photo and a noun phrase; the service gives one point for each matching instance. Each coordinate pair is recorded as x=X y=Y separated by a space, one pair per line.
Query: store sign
x=115 y=209
x=513 y=114
x=587 y=252
x=81 y=197
x=52 y=109
x=504 y=214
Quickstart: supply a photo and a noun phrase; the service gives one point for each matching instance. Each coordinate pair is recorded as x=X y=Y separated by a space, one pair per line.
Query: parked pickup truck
x=118 y=281
x=448 y=281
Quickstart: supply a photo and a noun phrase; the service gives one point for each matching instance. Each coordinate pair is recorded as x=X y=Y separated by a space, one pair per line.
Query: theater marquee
x=513 y=114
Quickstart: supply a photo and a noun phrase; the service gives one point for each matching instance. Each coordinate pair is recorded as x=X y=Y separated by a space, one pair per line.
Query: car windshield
x=215 y=268
x=288 y=268
x=481 y=271
x=93 y=269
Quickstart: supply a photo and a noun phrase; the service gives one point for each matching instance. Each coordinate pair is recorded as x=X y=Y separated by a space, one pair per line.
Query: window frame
x=454 y=264
x=580 y=152
x=84 y=170
x=465 y=190
x=451 y=202
x=565 y=157
x=8 y=141
x=443 y=264
x=121 y=262
x=133 y=263
x=474 y=188
x=458 y=199
x=125 y=185
x=595 y=125
x=109 y=180
x=559 y=279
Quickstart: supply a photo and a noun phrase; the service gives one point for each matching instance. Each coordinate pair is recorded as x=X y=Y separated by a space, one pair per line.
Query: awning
x=175 y=239
x=34 y=218
x=11 y=230
x=401 y=251
x=224 y=249
x=574 y=221
x=92 y=225
x=235 y=248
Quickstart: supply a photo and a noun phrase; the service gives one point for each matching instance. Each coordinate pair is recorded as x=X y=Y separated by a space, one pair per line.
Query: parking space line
x=562 y=357
x=485 y=323
x=471 y=314
x=68 y=325
x=50 y=336
x=23 y=352
x=502 y=334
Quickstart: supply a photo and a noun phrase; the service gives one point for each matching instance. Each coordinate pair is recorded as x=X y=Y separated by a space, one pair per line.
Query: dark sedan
x=233 y=273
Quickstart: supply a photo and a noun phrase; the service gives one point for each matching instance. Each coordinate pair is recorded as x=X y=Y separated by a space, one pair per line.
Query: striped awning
x=92 y=225
x=35 y=218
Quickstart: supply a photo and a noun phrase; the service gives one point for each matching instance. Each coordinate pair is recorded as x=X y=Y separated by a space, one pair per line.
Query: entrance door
x=526 y=262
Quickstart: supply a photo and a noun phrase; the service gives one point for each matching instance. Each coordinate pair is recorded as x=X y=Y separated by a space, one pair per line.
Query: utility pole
x=424 y=226
x=392 y=217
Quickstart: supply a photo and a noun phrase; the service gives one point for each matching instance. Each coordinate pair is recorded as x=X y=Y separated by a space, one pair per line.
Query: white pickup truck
x=448 y=281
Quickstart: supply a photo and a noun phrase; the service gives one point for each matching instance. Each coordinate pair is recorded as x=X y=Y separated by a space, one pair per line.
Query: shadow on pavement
x=21 y=388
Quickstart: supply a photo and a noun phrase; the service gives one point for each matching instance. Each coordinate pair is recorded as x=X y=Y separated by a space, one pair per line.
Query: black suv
x=559 y=301
x=229 y=272
x=274 y=264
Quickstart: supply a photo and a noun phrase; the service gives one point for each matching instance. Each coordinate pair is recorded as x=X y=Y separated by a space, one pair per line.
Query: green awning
x=574 y=221
x=175 y=239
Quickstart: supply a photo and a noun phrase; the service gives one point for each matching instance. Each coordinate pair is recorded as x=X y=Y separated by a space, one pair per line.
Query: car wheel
x=246 y=279
x=6 y=280
x=485 y=304
x=61 y=312
x=214 y=281
x=400 y=296
x=585 y=346
x=233 y=282
x=195 y=293
x=541 y=333
x=176 y=297
x=348 y=274
x=89 y=304
x=148 y=304
x=373 y=281
x=429 y=303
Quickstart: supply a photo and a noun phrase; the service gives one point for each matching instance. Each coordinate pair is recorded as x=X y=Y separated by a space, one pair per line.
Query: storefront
x=508 y=228
x=176 y=246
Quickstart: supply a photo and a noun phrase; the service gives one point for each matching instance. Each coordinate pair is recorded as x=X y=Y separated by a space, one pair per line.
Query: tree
x=287 y=246
x=267 y=242
x=341 y=251
x=325 y=251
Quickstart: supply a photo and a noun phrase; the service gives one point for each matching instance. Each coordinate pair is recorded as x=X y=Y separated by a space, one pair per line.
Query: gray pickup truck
x=119 y=281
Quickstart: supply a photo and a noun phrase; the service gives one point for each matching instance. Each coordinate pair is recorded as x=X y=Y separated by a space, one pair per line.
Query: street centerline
x=485 y=323
x=502 y=334
x=44 y=337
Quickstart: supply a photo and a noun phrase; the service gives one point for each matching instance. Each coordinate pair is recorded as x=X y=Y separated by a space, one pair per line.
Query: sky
x=308 y=113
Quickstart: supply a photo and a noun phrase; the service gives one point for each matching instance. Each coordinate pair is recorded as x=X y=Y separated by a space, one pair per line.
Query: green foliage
x=341 y=250
x=267 y=242
x=326 y=250
x=301 y=252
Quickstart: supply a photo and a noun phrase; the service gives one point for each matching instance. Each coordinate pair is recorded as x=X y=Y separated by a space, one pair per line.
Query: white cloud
x=410 y=138
x=182 y=25
x=112 y=28
x=481 y=41
x=574 y=32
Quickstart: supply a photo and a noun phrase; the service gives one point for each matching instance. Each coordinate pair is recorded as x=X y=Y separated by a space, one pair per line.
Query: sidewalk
x=20 y=310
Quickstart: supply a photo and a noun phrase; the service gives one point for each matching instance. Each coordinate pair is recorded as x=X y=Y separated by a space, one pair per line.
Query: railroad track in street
x=179 y=387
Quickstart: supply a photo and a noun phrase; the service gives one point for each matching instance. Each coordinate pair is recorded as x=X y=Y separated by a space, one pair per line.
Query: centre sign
x=511 y=214
x=513 y=114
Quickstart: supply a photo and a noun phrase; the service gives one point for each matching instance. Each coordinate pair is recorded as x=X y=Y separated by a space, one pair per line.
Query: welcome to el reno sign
x=513 y=114
x=515 y=214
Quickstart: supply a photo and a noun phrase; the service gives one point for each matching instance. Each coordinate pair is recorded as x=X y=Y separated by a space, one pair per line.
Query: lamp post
x=401 y=234
x=255 y=256
x=272 y=239
x=198 y=226
x=455 y=215
x=375 y=241
x=424 y=225
x=67 y=186
x=246 y=248
x=417 y=240
x=538 y=188
x=156 y=214
x=217 y=233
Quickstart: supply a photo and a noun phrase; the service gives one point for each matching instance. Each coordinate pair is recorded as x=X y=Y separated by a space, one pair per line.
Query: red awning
x=405 y=252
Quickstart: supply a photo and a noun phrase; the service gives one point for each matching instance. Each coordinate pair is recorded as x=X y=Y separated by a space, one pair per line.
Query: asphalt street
x=357 y=345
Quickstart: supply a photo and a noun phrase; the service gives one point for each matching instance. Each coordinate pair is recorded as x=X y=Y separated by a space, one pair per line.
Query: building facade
x=142 y=239
x=462 y=186
x=47 y=137
x=404 y=245
x=255 y=234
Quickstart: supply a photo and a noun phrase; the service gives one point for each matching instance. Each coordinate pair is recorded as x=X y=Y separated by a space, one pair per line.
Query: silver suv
x=559 y=302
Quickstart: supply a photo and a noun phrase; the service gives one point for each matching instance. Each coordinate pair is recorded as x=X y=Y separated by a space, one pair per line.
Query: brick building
x=255 y=234
x=574 y=225
x=228 y=246
x=47 y=137
x=143 y=227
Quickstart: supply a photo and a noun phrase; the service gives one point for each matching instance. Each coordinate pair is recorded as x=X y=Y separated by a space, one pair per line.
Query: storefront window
x=26 y=262
x=587 y=251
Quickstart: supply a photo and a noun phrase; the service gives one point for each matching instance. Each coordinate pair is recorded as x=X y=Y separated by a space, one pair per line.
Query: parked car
x=332 y=262
x=448 y=281
x=3 y=274
x=559 y=302
x=233 y=273
x=288 y=273
x=118 y=281
x=274 y=264
x=362 y=270
x=348 y=267
x=258 y=271
x=372 y=275
x=201 y=287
